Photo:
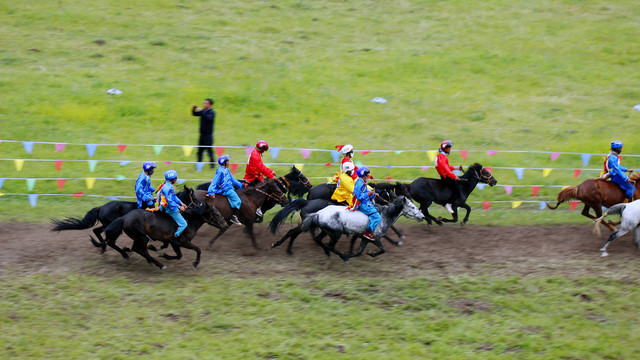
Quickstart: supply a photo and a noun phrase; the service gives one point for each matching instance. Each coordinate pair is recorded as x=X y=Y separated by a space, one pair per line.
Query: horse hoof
x=400 y=243
x=346 y=261
x=164 y=267
x=403 y=237
x=604 y=254
x=194 y=266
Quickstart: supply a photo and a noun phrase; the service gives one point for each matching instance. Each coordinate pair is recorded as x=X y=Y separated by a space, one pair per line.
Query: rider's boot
x=175 y=240
x=259 y=215
x=369 y=235
x=449 y=208
x=234 y=217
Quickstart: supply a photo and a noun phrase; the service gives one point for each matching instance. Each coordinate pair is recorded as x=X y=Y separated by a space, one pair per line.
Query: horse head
x=483 y=175
x=295 y=173
x=401 y=189
x=409 y=209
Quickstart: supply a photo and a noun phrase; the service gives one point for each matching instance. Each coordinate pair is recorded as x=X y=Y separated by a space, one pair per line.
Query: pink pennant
x=534 y=190
x=365 y=152
x=491 y=152
x=219 y=150
x=61 y=183
x=168 y=163
x=78 y=194
x=305 y=153
x=554 y=156
x=489 y=169
x=248 y=150
x=60 y=147
x=574 y=205
x=464 y=154
x=329 y=164
x=388 y=178
x=121 y=148
x=486 y=205
x=233 y=167
x=508 y=189
x=58 y=164
x=424 y=168
x=576 y=173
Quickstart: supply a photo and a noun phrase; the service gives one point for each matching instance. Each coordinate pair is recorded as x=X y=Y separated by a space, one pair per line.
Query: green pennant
x=398 y=152
x=120 y=177
x=92 y=165
x=157 y=149
x=30 y=184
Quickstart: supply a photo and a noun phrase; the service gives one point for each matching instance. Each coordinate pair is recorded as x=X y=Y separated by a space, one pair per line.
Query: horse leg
x=249 y=230
x=603 y=249
x=598 y=210
x=220 y=232
x=363 y=244
x=112 y=244
x=177 y=256
x=425 y=211
x=393 y=242
x=332 y=246
x=466 y=216
x=102 y=244
x=380 y=246
x=140 y=246
x=352 y=244
x=636 y=236
x=400 y=235
x=454 y=216
x=293 y=238
x=284 y=238
x=195 y=248
x=318 y=240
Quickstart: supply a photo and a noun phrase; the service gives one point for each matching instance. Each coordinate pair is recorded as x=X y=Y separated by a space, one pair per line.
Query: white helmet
x=346 y=149
x=348 y=166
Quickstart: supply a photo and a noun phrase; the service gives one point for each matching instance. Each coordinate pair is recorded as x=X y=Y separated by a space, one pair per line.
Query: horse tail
x=114 y=229
x=70 y=223
x=615 y=209
x=283 y=214
x=565 y=195
x=311 y=222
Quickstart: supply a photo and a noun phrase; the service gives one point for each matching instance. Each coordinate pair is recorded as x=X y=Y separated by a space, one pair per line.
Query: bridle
x=303 y=179
x=481 y=175
x=279 y=199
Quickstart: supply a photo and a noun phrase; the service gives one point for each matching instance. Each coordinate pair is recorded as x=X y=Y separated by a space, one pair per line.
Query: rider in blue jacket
x=144 y=191
x=364 y=197
x=617 y=171
x=223 y=183
x=173 y=203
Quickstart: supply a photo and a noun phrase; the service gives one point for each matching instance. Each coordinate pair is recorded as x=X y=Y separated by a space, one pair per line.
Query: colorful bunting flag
x=91 y=149
x=305 y=153
x=60 y=147
x=19 y=164
x=519 y=173
x=33 y=199
x=508 y=189
x=480 y=186
x=365 y=152
x=486 y=205
x=157 y=149
x=542 y=205
x=124 y=163
x=113 y=198
x=464 y=154
x=248 y=150
x=92 y=165
x=432 y=155
x=77 y=194
x=60 y=183
x=534 y=190
x=585 y=159
x=120 y=177
x=546 y=172
x=576 y=173
x=329 y=164
x=121 y=148
x=515 y=204
x=424 y=168
x=187 y=150
x=90 y=182
x=199 y=166
x=359 y=163
x=28 y=146
x=168 y=163
x=489 y=169
x=299 y=166
x=398 y=152
x=30 y=184
x=219 y=150
x=181 y=181
x=491 y=152
x=233 y=167
x=554 y=156
x=574 y=205
x=274 y=152
x=388 y=178
x=457 y=172
x=1 y=182
x=335 y=155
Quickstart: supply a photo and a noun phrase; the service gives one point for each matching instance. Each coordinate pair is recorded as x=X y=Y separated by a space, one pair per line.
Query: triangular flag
x=335 y=155
x=248 y=150
x=329 y=164
x=389 y=178
x=157 y=149
x=299 y=166
x=519 y=173
x=554 y=156
x=480 y=186
x=33 y=199
x=187 y=150
x=564 y=187
x=391 y=167
x=489 y=169
x=28 y=146
x=305 y=153
x=365 y=152
x=546 y=172
x=274 y=152
x=181 y=181
x=199 y=166
x=491 y=152
x=92 y=165
x=1 y=183
x=219 y=150
x=124 y=163
x=19 y=163
x=121 y=148
x=576 y=173
x=508 y=189
x=60 y=147
x=90 y=182
x=61 y=183
x=113 y=198
x=120 y=177
x=58 y=164
x=534 y=190
x=78 y=194
x=424 y=168
x=486 y=205
x=398 y=152
x=515 y=204
x=432 y=155
x=91 y=149
x=542 y=205
x=358 y=163
x=585 y=159
x=168 y=163
x=457 y=172
x=30 y=184
x=574 y=205
x=464 y=154
x=233 y=167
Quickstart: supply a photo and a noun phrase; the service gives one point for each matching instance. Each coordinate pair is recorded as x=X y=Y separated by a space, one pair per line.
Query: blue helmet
x=170 y=175
x=223 y=159
x=363 y=171
x=616 y=144
x=148 y=165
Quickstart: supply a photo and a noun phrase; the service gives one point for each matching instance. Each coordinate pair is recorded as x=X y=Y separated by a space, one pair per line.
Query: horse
x=336 y=220
x=140 y=224
x=252 y=198
x=596 y=193
x=630 y=220
x=427 y=191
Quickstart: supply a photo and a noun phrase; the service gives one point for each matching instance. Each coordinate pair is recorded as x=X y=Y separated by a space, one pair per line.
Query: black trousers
x=205 y=143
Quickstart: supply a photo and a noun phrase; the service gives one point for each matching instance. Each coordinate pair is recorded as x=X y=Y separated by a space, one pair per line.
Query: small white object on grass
x=379 y=100
x=114 y=91
x=637 y=107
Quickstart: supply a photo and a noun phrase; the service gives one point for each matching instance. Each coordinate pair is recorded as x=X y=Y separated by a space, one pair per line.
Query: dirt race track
x=569 y=250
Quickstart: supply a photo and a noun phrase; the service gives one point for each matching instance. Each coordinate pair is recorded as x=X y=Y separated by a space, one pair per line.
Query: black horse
x=426 y=191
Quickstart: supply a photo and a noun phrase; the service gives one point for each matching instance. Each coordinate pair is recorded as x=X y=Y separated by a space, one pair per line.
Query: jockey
x=224 y=183
x=344 y=188
x=617 y=172
x=364 y=204
x=347 y=151
x=255 y=169
x=144 y=191
x=173 y=203
x=445 y=171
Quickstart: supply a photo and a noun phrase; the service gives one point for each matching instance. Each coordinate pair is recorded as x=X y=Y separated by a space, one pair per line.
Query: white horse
x=336 y=221
x=630 y=220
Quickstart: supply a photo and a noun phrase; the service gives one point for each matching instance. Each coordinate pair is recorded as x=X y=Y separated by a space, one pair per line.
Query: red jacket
x=255 y=168
x=443 y=167
x=355 y=168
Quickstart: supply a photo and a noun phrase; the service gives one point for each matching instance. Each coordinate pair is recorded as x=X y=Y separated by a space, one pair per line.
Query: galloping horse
x=427 y=191
x=596 y=193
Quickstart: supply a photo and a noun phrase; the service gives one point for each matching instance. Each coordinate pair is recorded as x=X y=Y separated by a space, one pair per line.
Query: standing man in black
x=207 y=118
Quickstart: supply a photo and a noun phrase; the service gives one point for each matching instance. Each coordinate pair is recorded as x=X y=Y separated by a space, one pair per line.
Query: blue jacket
x=144 y=191
x=223 y=182
x=173 y=202
x=361 y=193
x=616 y=171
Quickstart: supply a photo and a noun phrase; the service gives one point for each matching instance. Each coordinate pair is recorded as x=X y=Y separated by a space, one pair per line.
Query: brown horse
x=596 y=193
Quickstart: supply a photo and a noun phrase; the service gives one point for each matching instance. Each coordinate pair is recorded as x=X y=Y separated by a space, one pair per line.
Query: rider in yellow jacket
x=344 y=189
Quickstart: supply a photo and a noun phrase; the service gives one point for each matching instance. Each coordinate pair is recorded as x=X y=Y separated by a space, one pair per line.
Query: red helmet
x=262 y=146
x=446 y=143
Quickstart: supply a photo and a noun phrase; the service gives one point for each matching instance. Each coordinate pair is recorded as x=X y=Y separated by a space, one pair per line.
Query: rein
x=277 y=199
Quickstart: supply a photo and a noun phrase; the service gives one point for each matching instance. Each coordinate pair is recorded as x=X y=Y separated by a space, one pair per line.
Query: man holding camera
x=207 y=119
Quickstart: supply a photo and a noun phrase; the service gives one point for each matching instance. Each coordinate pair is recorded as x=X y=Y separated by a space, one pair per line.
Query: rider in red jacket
x=446 y=171
x=256 y=169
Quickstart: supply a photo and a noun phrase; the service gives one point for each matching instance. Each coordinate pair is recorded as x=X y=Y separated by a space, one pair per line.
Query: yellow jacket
x=344 y=191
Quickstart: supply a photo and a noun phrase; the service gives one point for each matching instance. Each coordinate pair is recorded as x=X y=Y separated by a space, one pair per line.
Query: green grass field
x=491 y=75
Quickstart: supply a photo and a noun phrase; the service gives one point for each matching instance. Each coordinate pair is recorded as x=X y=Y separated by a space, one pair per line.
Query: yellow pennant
x=564 y=187
x=90 y=182
x=299 y=166
x=187 y=150
x=432 y=155
x=546 y=172
x=515 y=204
x=19 y=164
x=1 y=194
